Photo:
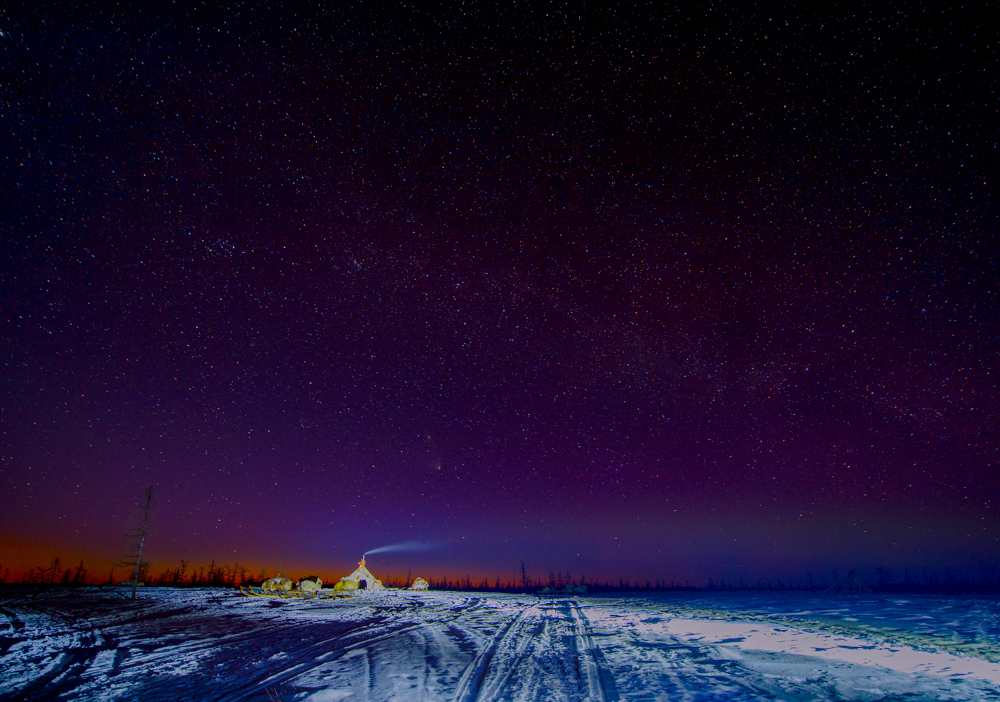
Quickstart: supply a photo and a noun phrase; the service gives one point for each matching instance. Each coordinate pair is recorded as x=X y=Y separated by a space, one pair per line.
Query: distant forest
x=878 y=580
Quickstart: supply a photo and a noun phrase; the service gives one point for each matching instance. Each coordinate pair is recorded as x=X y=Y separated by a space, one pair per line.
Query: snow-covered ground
x=219 y=645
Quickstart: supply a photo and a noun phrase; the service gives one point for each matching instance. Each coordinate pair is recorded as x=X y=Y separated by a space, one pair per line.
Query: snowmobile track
x=71 y=664
x=313 y=655
x=552 y=630
x=176 y=645
x=600 y=682
x=469 y=685
x=321 y=653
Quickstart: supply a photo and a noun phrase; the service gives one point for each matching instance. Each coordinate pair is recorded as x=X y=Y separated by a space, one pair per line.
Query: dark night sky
x=678 y=293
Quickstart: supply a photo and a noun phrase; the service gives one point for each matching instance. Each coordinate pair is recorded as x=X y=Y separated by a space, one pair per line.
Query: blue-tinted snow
x=219 y=645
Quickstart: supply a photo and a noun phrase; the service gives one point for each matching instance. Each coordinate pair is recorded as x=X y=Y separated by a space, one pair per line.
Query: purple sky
x=676 y=295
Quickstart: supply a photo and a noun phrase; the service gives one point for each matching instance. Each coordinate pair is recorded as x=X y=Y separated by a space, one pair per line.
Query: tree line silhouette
x=235 y=575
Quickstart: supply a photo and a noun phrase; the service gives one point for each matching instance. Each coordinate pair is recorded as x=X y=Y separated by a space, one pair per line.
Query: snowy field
x=219 y=645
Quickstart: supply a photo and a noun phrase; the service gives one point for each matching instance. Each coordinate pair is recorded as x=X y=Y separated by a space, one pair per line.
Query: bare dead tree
x=179 y=573
x=140 y=533
x=80 y=575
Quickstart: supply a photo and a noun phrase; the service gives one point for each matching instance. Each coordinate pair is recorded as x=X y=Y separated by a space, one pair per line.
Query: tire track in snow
x=52 y=651
x=72 y=662
x=668 y=667
x=469 y=685
x=310 y=656
x=600 y=683
x=302 y=660
x=546 y=649
x=130 y=641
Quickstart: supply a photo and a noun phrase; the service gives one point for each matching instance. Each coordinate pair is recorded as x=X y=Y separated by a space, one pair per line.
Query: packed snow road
x=218 y=645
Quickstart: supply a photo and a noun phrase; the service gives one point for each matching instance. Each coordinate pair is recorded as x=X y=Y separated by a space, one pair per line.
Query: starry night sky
x=672 y=293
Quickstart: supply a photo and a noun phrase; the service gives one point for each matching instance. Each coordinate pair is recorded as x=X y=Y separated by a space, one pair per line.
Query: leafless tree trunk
x=140 y=533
